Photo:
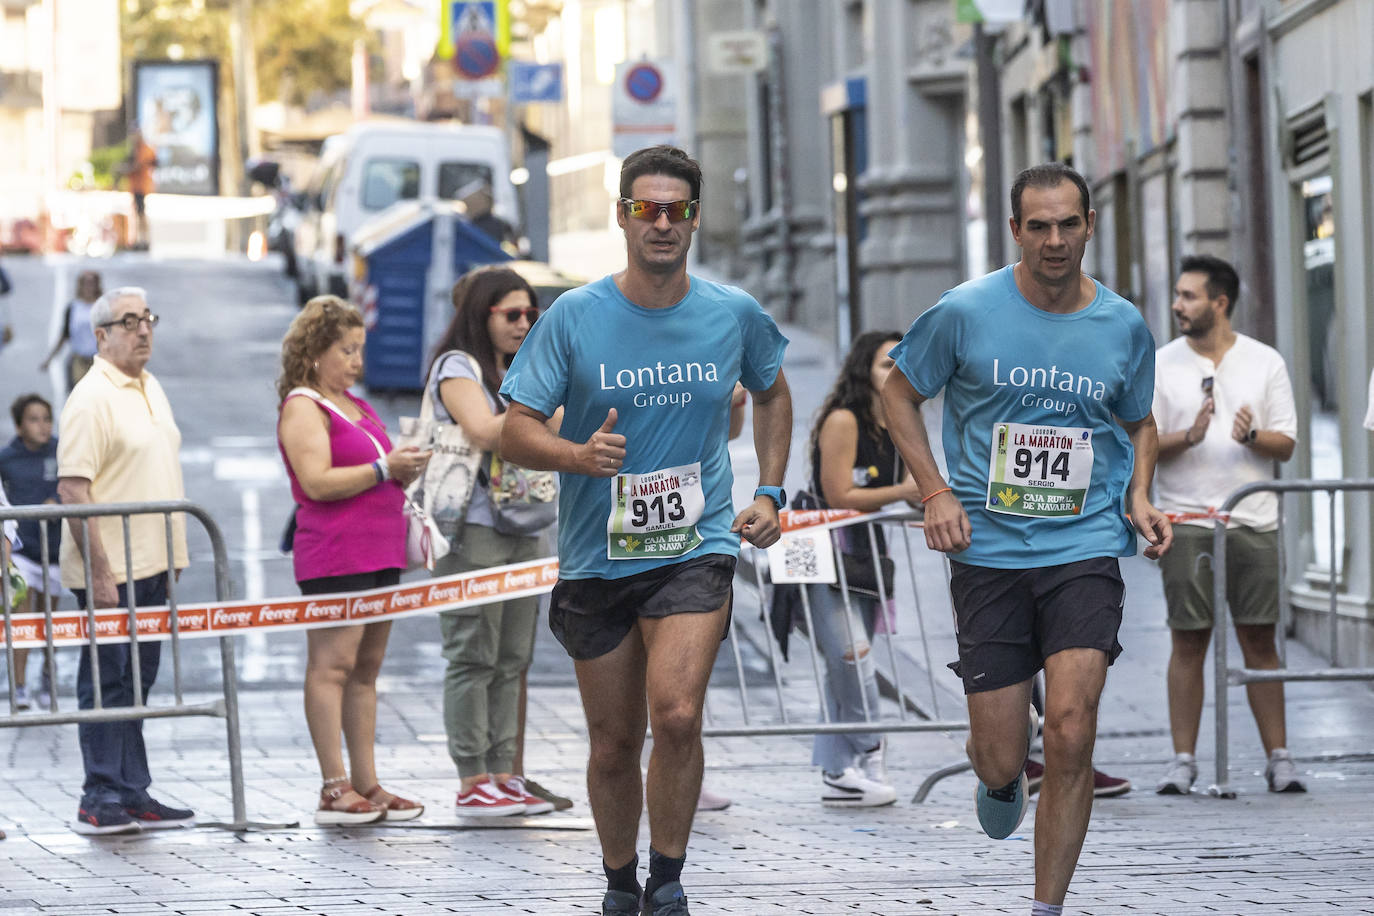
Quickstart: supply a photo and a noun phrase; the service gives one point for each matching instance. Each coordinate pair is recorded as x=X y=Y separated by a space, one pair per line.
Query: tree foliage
x=305 y=47
x=302 y=46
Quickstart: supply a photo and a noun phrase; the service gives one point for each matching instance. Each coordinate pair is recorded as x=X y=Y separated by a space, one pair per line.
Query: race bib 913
x=655 y=514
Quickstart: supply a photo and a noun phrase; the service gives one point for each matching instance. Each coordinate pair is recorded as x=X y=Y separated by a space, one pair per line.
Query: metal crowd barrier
x=799 y=716
x=1226 y=676
x=225 y=708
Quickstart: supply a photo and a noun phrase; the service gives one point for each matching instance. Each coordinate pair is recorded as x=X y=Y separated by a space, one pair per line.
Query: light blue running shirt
x=669 y=373
x=1046 y=386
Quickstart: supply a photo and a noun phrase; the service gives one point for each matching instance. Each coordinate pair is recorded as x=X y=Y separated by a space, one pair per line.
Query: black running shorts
x=1010 y=620
x=590 y=617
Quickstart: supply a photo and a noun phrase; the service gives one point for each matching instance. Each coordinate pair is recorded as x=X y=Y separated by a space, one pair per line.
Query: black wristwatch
x=1252 y=435
x=777 y=494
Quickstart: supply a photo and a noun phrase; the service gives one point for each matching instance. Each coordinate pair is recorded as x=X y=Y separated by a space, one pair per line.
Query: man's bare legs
x=1185 y=680
x=1266 y=700
x=681 y=652
x=1074 y=679
x=612 y=688
x=1186 y=685
x=657 y=675
x=997 y=726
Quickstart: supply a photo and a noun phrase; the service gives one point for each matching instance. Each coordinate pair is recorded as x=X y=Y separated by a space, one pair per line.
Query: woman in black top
x=854 y=466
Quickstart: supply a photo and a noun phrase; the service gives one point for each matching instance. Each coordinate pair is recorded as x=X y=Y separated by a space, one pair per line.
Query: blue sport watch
x=777 y=494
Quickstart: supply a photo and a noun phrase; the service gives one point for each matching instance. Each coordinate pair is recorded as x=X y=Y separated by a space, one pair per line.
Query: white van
x=373 y=165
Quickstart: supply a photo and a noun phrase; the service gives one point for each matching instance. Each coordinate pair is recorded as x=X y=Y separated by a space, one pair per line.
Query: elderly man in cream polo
x=120 y=444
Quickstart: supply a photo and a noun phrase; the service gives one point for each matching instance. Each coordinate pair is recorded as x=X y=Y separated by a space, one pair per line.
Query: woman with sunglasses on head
x=489 y=647
x=854 y=466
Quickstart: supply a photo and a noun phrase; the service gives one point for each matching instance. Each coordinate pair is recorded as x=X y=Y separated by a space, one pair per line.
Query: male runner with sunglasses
x=1048 y=379
x=644 y=363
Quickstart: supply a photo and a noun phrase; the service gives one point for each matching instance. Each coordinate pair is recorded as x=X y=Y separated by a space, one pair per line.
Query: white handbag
x=445 y=488
x=425 y=543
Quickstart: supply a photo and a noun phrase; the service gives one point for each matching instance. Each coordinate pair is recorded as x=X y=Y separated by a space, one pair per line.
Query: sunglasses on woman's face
x=648 y=210
x=513 y=314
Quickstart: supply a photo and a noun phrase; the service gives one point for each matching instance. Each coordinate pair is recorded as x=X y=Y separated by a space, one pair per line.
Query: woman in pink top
x=350 y=536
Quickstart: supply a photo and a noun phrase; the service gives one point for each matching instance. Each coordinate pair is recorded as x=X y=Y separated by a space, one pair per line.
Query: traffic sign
x=531 y=82
x=473 y=31
x=643 y=82
x=643 y=106
x=474 y=55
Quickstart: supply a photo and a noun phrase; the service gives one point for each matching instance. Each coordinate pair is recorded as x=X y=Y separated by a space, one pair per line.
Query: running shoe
x=873 y=763
x=21 y=697
x=668 y=900
x=487 y=800
x=560 y=802
x=710 y=801
x=620 y=903
x=1179 y=778
x=515 y=788
x=1000 y=810
x=152 y=814
x=102 y=819
x=851 y=789
x=1281 y=774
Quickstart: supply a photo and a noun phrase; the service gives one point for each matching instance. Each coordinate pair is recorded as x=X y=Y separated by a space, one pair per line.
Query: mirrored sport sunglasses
x=648 y=210
x=513 y=313
x=130 y=322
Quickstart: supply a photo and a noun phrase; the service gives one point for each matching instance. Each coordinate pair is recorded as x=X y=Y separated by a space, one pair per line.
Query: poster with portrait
x=176 y=107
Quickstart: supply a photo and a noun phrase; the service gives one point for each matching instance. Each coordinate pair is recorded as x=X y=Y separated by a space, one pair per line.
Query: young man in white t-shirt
x=1224 y=405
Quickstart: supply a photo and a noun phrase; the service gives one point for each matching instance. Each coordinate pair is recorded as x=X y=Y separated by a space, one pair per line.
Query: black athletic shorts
x=1010 y=620
x=590 y=617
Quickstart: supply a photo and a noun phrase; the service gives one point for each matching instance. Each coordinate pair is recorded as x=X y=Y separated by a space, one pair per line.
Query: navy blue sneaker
x=620 y=903
x=152 y=814
x=103 y=818
x=668 y=900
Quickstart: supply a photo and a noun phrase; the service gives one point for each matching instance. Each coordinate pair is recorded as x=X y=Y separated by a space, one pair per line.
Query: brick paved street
x=775 y=850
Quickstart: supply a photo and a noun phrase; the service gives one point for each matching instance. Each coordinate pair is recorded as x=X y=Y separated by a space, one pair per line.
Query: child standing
x=28 y=471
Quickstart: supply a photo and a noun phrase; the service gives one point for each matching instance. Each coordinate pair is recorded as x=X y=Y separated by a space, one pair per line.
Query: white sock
x=1046 y=909
x=1187 y=758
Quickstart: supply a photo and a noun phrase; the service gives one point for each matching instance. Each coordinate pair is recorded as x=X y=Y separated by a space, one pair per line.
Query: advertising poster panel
x=175 y=105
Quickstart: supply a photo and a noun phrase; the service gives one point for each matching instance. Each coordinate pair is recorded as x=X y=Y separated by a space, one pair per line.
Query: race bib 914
x=1039 y=471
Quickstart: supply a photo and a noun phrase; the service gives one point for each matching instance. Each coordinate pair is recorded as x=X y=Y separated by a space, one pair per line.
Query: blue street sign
x=535 y=82
x=475 y=52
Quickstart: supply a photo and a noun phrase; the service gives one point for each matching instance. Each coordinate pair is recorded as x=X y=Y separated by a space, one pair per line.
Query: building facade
x=1244 y=129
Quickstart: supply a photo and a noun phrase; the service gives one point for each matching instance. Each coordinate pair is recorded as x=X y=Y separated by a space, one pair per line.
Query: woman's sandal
x=334 y=813
x=394 y=807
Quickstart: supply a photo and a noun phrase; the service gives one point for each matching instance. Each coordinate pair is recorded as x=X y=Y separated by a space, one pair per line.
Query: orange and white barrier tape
x=303 y=612
x=300 y=612
x=1210 y=515
x=796 y=519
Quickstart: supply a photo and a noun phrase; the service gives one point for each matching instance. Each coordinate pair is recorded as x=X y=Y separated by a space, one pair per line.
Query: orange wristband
x=927 y=499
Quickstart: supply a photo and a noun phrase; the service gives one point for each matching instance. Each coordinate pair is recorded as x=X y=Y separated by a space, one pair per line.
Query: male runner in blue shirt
x=644 y=364
x=1048 y=379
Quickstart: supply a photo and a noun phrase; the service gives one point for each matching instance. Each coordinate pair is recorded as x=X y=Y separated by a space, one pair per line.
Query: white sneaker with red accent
x=515 y=787
x=487 y=800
